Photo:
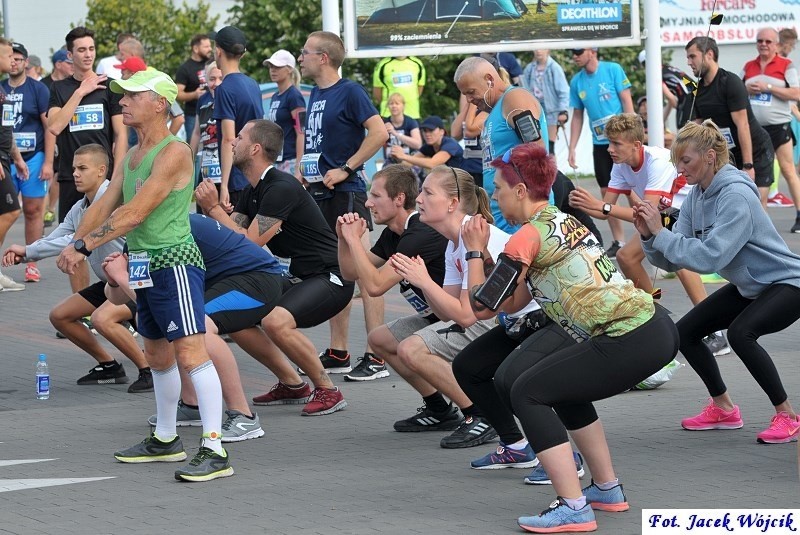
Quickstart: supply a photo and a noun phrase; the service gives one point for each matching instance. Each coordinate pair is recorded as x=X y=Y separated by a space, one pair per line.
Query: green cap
x=148 y=80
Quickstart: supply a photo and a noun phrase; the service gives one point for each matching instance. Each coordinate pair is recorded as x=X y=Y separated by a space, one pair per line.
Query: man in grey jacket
x=89 y=169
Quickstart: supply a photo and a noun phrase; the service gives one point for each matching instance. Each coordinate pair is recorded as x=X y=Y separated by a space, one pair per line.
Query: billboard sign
x=378 y=28
x=681 y=20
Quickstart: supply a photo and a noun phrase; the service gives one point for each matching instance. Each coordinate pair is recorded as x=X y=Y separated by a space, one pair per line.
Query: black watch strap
x=80 y=246
x=473 y=254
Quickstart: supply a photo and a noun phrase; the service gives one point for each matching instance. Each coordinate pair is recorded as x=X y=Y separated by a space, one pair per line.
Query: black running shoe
x=427 y=420
x=611 y=252
x=369 y=368
x=332 y=363
x=205 y=466
x=143 y=384
x=105 y=375
x=471 y=432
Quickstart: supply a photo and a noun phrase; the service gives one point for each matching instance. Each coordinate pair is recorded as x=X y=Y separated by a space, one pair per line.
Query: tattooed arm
x=263 y=228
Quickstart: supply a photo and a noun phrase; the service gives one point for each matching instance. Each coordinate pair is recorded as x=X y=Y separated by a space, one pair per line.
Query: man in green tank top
x=148 y=202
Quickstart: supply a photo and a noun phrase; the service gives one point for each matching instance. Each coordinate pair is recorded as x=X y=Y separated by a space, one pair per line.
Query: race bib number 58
x=87 y=117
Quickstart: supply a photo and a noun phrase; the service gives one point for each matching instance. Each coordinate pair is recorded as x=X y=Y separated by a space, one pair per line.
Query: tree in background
x=164 y=29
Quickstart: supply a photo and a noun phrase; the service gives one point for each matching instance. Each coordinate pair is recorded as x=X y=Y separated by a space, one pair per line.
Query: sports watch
x=606 y=209
x=80 y=246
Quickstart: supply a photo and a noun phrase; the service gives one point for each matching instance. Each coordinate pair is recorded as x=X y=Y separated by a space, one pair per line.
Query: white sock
x=519 y=445
x=719 y=333
x=608 y=485
x=167 y=388
x=576 y=503
x=209 y=400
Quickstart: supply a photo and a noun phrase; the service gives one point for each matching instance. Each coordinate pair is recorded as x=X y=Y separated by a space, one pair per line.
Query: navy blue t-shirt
x=280 y=113
x=451 y=147
x=27 y=103
x=237 y=98
x=335 y=130
x=226 y=253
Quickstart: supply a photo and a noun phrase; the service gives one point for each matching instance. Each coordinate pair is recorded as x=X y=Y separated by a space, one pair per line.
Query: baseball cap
x=20 y=49
x=281 y=58
x=132 y=64
x=642 y=56
x=432 y=122
x=230 y=39
x=34 y=61
x=579 y=51
x=61 y=55
x=148 y=80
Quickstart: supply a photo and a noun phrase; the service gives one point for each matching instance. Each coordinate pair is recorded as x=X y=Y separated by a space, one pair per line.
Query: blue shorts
x=173 y=307
x=34 y=187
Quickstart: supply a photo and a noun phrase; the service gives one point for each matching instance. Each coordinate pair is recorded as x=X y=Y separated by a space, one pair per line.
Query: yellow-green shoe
x=713 y=278
x=153 y=450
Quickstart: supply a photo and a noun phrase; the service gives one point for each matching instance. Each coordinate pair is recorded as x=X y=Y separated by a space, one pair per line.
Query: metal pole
x=330 y=16
x=6 y=24
x=655 y=108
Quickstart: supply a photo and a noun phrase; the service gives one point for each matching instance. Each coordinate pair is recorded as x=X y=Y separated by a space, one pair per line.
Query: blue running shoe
x=612 y=500
x=558 y=518
x=540 y=477
x=505 y=457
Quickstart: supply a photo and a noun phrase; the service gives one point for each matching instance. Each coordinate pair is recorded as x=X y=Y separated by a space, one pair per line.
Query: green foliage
x=163 y=28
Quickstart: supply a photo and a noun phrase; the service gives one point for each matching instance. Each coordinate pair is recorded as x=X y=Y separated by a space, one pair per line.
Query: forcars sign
x=377 y=28
x=681 y=20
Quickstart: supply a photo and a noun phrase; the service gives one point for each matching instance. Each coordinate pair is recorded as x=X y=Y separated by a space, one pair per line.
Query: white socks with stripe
x=167 y=388
x=209 y=400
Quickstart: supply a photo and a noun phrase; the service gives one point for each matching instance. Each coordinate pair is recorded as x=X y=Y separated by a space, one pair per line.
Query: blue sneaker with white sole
x=558 y=518
x=540 y=477
x=505 y=457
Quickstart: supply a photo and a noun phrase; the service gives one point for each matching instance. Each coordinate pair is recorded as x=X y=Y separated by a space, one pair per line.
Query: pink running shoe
x=324 y=401
x=713 y=417
x=782 y=429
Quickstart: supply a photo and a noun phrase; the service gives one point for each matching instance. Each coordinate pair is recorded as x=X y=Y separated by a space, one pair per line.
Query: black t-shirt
x=726 y=94
x=6 y=132
x=305 y=236
x=91 y=123
x=48 y=81
x=191 y=74
x=417 y=240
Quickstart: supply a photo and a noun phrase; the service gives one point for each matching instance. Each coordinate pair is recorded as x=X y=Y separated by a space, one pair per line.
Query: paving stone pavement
x=350 y=472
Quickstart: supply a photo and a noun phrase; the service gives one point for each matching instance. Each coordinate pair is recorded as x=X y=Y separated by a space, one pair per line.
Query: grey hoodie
x=56 y=241
x=725 y=230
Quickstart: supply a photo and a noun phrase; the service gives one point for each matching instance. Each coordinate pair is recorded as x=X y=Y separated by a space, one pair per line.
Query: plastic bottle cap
x=42 y=357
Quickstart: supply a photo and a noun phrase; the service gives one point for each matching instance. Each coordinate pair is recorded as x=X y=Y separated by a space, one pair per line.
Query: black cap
x=20 y=48
x=230 y=39
x=431 y=123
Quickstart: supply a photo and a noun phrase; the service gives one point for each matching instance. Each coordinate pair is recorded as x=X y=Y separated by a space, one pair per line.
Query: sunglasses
x=764 y=41
x=578 y=51
x=507 y=159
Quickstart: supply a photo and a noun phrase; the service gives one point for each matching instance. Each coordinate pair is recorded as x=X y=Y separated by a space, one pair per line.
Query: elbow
x=53 y=130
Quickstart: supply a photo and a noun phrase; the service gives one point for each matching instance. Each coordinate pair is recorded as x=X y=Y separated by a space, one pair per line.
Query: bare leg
x=614 y=224
x=282 y=329
x=340 y=327
x=416 y=357
x=630 y=259
x=257 y=344
x=107 y=320
x=80 y=278
x=33 y=210
x=560 y=466
x=64 y=318
x=693 y=285
x=385 y=345
x=784 y=154
x=591 y=442
x=764 y=194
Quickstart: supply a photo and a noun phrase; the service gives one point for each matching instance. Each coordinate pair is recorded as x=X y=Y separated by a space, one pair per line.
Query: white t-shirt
x=106 y=66
x=656 y=176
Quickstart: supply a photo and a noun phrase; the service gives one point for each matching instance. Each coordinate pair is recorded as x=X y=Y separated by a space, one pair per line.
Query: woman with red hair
x=587 y=300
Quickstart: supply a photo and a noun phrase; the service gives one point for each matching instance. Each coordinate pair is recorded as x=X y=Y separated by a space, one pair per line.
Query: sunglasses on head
x=507 y=159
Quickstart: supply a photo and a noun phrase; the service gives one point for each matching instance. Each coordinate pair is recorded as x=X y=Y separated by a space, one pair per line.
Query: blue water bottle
x=42 y=378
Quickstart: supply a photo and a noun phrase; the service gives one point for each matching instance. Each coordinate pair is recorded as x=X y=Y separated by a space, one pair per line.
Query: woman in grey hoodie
x=723 y=228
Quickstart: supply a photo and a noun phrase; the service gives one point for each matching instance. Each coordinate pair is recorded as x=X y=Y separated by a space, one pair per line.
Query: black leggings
x=746 y=320
x=490 y=361
x=557 y=392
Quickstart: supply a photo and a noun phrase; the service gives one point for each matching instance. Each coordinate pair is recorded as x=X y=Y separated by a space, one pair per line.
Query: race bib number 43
x=87 y=117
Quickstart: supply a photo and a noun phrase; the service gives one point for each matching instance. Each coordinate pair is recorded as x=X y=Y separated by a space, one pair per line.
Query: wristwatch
x=769 y=87
x=347 y=169
x=473 y=254
x=748 y=165
x=606 y=209
x=80 y=246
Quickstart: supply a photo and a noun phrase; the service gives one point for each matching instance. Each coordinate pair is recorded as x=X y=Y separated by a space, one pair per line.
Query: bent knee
x=277 y=321
x=410 y=350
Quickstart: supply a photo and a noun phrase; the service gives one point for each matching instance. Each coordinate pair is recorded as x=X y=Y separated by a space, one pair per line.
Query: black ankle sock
x=339 y=353
x=373 y=356
x=190 y=406
x=436 y=402
x=472 y=410
x=145 y=369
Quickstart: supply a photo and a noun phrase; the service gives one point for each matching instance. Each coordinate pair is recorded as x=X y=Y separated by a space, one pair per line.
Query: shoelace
x=322 y=394
x=552 y=507
x=202 y=454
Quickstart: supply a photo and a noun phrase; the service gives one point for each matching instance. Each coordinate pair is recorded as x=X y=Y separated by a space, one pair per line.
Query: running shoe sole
x=255 y=433
x=225 y=472
x=294 y=401
x=792 y=438
x=610 y=507
x=169 y=458
x=477 y=441
x=379 y=375
x=566 y=528
x=710 y=427
x=339 y=406
x=527 y=464
x=180 y=423
x=113 y=381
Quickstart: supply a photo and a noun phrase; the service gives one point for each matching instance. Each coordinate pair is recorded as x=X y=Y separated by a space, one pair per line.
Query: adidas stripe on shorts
x=173 y=308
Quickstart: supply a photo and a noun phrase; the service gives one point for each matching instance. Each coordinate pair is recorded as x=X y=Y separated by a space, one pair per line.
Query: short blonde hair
x=627 y=126
x=701 y=138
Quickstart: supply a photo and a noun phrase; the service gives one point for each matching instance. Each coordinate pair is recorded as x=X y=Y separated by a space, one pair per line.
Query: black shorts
x=344 y=202
x=602 y=165
x=316 y=299
x=243 y=300
x=9 y=197
x=780 y=134
x=763 y=164
x=68 y=195
x=95 y=294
